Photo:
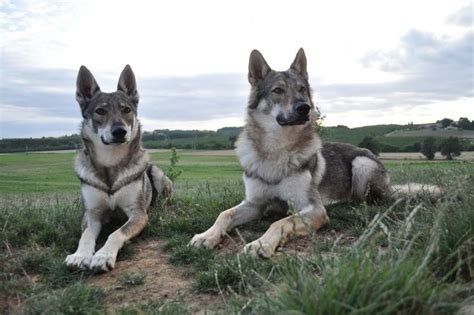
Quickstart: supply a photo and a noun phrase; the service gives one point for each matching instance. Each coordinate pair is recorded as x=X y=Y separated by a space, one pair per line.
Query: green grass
x=75 y=299
x=132 y=279
x=37 y=173
x=412 y=257
x=53 y=172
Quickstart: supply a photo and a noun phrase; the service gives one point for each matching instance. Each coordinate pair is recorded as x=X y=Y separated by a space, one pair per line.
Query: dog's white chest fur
x=292 y=188
x=125 y=198
x=280 y=163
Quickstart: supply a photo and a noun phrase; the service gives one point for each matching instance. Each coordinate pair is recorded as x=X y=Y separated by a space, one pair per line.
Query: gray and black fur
x=113 y=167
x=285 y=162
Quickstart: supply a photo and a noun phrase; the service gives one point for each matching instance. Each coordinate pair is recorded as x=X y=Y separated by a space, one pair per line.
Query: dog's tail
x=431 y=192
x=161 y=184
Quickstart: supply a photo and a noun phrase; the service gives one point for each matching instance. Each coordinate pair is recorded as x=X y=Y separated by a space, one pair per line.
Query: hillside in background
x=392 y=138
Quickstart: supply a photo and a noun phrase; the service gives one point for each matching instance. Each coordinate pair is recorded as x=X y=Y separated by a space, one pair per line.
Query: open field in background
x=399 y=138
x=46 y=172
x=465 y=134
x=408 y=257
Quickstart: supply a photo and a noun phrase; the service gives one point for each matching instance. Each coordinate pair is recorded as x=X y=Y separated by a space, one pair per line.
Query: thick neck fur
x=272 y=152
x=109 y=166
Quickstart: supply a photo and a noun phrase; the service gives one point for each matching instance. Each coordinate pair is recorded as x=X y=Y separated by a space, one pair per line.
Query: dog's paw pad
x=103 y=262
x=205 y=240
x=78 y=261
x=258 y=249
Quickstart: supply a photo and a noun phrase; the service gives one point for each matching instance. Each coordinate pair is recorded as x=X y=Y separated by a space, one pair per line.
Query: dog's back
x=284 y=161
x=351 y=173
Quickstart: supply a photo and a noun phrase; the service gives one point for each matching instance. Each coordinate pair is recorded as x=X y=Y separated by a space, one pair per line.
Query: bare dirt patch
x=166 y=282
x=296 y=245
x=163 y=281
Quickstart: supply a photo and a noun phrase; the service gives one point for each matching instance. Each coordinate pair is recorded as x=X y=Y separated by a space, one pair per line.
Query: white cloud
x=195 y=37
x=183 y=52
x=463 y=17
x=31 y=115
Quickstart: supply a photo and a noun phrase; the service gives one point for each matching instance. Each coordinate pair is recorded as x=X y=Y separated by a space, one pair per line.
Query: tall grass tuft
x=398 y=265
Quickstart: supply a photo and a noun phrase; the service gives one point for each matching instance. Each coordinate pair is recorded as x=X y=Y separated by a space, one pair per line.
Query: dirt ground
x=162 y=282
x=165 y=281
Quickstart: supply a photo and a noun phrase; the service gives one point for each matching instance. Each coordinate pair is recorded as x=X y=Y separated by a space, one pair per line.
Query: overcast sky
x=369 y=62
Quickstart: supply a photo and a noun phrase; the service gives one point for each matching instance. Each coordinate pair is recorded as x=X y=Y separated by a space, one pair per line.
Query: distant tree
x=371 y=144
x=445 y=122
x=464 y=123
x=232 y=140
x=388 y=148
x=451 y=148
x=429 y=148
x=416 y=147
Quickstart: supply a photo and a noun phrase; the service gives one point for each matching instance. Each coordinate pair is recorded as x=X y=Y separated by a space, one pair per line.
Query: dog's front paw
x=103 y=261
x=260 y=249
x=78 y=261
x=206 y=239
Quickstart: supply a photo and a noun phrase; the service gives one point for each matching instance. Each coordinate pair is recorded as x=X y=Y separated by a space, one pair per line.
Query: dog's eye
x=278 y=90
x=100 y=111
x=302 y=89
x=126 y=110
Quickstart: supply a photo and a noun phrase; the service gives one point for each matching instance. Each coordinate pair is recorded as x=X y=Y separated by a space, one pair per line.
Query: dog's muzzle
x=298 y=116
x=119 y=135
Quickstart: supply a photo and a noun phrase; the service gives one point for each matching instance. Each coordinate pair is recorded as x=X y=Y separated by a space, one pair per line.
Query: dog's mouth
x=114 y=141
x=283 y=121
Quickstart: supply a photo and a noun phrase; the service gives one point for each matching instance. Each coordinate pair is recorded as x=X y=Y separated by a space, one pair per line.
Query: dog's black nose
x=302 y=109
x=118 y=131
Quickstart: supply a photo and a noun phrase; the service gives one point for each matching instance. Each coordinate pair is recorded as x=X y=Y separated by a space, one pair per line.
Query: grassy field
x=48 y=172
x=392 y=137
x=395 y=136
x=398 y=257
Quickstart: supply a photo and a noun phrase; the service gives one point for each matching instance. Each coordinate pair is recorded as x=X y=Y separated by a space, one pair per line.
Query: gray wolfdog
x=113 y=168
x=285 y=162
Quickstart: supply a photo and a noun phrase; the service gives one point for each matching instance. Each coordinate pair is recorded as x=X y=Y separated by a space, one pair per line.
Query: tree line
x=449 y=147
x=463 y=123
x=224 y=138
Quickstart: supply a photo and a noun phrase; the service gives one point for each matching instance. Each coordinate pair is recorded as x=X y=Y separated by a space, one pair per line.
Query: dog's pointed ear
x=258 y=67
x=299 y=64
x=128 y=84
x=86 y=87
